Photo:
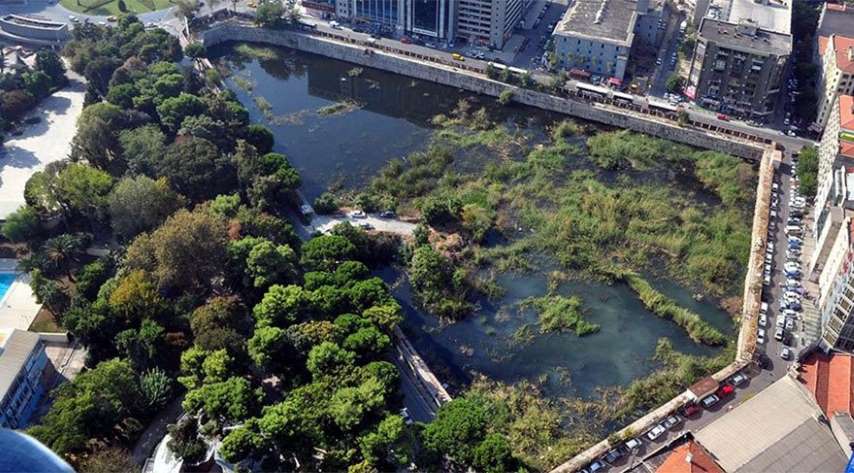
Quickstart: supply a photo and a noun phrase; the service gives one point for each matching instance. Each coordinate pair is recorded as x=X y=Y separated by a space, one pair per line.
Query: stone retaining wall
x=455 y=77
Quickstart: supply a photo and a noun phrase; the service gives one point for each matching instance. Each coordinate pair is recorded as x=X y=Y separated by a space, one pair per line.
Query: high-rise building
x=488 y=22
x=742 y=52
x=434 y=18
x=431 y=18
x=835 y=158
x=836 y=74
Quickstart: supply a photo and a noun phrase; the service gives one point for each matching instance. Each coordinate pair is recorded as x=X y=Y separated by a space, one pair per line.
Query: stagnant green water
x=288 y=91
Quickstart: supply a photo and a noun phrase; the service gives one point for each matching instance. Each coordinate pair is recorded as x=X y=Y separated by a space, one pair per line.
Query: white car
x=760 y=336
x=656 y=432
x=357 y=214
x=781 y=321
x=763 y=320
x=785 y=353
x=634 y=443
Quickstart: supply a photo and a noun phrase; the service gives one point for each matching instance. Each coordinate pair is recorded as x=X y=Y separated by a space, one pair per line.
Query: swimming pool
x=6 y=280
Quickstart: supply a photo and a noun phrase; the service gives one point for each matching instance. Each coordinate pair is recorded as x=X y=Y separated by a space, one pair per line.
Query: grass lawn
x=111 y=7
x=45 y=322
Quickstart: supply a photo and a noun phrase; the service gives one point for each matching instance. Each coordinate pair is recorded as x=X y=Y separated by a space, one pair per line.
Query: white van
x=763 y=309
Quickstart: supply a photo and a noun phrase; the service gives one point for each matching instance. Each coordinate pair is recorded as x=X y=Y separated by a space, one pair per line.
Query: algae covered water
x=340 y=124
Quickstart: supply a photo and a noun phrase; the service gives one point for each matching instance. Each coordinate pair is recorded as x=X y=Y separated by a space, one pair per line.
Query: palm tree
x=62 y=251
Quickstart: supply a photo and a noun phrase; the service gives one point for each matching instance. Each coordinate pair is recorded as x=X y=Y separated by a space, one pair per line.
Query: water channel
x=286 y=90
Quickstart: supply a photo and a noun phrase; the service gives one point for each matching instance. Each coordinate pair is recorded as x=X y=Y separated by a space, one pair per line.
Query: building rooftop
x=770 y=15
x=608 y=20
x=836 y=19
x=746 y=38
x=34 y=22
x=843 y=47
x=13 y=356
x=690 y=457
x=830 y=379
x=809 y=447
x=773 y=420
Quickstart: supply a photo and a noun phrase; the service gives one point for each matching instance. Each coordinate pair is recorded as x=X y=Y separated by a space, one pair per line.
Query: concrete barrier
x=369 y=56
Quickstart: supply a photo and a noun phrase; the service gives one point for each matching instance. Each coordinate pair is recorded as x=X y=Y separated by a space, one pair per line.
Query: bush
x=326 y=204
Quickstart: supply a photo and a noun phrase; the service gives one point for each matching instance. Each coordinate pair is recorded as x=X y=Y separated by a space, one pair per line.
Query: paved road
x=529 y=57
x=669 y=44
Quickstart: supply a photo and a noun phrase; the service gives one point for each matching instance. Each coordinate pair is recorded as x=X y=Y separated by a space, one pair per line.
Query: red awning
x=581 y=73
x=615 y=82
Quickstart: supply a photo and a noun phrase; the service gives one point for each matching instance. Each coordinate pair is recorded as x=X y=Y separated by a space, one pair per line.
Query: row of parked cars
x=658 y=432
x=791 y=288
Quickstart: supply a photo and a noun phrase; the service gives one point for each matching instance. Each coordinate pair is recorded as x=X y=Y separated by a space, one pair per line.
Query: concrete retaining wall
x=455 y=77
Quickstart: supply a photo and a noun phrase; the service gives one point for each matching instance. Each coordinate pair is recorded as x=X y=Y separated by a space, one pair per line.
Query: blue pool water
x=6 y=280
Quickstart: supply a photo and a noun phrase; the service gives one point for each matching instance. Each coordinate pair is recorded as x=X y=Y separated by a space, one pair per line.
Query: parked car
x=672 y=421
x=613 y=455
x=790 y=324
x=760 y=336
x=738 y=379
x=691 y=409
x=365 y=226
x=763 y=320
x=725 y=390
x=725 y=118
x=387 y=214
x=779 y=334
x=786 y=353
x=710 y=401
x=357 y=214
x=634 y=444
x=655 y=432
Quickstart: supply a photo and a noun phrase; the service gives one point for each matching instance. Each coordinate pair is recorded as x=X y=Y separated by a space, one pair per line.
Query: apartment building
x=741 y=56
x=597 y=36
x=430 y=18
x=488 y=22
x=835 y=158
x=835 y=19
x=22 y=363
x=836 y=75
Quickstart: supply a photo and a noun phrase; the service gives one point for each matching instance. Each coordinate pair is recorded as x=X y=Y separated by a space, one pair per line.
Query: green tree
x=194 y=50
x=325 y=252
x=174 y=110
x=49 y=62
x=807 y=171
x=142 y=147
x=269 y=13
x=226 y=401
x=329 y=359
x=186 y=252
x=196 y=169
x=493 y=455
x=459 y=426
x=139 y=204
x=260 y=137
x=271 y=264
x=241 y=442
x=22 y=225
x=135 y=297
x=271 y=349
x=142 y=346
x=91 y=406
x=281 y=306
x=674 y=83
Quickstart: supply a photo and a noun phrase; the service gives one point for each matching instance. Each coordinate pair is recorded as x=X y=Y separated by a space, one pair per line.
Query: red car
x=690 y=410
x=723 y=117
x=726 y=390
